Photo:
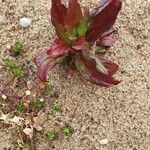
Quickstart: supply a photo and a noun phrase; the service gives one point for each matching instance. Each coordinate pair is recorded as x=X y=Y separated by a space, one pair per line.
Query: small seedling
x=52 y=135
x=48 y=88
x=37 y=104
x=10 y=63
x=56 y=108
x=14 y=68
x=50 y=116
x=18 y=48
x=17 y=72
x=21 y=108
x=67 y=131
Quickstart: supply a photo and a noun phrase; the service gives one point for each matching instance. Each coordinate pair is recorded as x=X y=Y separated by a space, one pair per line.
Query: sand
x=120 y=114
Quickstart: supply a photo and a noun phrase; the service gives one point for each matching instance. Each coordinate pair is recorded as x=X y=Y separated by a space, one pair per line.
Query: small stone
x=8 y=47
x=28 y=131
x=25 y=22
x=3 y=117
x=34 y=95
x=28 y=92
x=4 y=96
x=17 y=120
x=1 y=19
x=103 y=141
x=29 y=85
x=41 y=99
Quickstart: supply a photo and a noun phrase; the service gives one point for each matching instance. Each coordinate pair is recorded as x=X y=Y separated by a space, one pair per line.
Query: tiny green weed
x=14 y=67
x=21 y=108
x=52 y=135
x=48 y=88
x=56 y=108
x=18 y=48
x=37 y=104
x=67 y=130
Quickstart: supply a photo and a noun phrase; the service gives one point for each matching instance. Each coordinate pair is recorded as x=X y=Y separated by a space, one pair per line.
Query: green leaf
x=50 y=116
x=74 y=32
x=67 y=40
x=52 y=135
x=49 y=88
x=10 y=63
x=18 y=47
x=83 y=26
x=67 y=131
x=56 y=108
x=37 y=104
x=21 y=108
x=14 y=68
x=17 y=72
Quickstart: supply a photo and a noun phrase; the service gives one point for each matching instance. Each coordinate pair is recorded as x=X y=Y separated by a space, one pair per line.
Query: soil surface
x=120 y=114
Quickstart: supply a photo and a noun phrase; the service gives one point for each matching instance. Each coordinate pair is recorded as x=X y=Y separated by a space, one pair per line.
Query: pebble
x=1 y=19
x=103 y=141
x=41 y=99
x=28 y=92
x=8 y=47
x=4 y=96
x=25 y=22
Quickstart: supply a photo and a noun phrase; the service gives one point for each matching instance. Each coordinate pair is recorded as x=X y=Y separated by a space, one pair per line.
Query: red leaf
x=73 y=14
x=80 y=44
x=111 y=67
x=107 y=39
x=44 y=63
x=58 y=48
x=87 y=66
x=58 y=12
x=103 y=18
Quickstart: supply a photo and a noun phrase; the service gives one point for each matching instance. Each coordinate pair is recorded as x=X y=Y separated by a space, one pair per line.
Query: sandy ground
x=120 y=114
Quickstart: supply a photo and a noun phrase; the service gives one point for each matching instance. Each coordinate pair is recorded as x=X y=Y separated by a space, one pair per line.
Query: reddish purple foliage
x=77 y=31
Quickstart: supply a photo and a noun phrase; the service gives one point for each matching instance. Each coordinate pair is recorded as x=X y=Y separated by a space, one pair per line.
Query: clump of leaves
x=18 y=48
x=78 y=33
x=55 y=109
x=14 y=67
x=37 y=104
x=67 y=130
x=52 y=135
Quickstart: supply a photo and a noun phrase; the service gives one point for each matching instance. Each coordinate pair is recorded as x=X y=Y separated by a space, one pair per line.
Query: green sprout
x=52 y=135
x=56 y=108
x=14 y=67
x=50 y=116
x=37 y=104
x=17 y=72
x=18 y=48
x=48 y=88
x=21 y=108
x=67 y=130
x=11 y=63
